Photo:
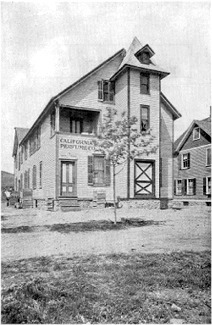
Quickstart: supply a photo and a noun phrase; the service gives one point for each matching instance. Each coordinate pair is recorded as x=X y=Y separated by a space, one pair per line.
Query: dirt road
x=187 y=229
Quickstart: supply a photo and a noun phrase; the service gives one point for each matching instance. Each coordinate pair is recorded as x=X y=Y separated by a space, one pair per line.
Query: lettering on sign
x=76 y=144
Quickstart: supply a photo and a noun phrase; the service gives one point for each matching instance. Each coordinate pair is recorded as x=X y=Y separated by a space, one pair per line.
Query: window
x=144 y=58
x=207 y=185
x=208 y=157
x=21 y=182
x=28 y=185
x=178 y=187
x=52 y=123
x=196 y=133
x=190 y=186
x=40 y=174
x=22 y=153
x=26 y=179
x=19 y=161
x=106 y=91
x=26 y=151
x=16 y=161
x=16 y=184
x=35 y=141
x=76 y=126
x=34 y=177
x=144 y=81
x=98 y=171
x=185 y=163
x=145 y=120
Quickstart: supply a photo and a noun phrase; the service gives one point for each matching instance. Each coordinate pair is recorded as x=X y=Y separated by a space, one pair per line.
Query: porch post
x=57 y=117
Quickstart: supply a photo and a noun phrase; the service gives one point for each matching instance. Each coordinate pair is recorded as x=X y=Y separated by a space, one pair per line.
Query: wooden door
x=144 y=183
x=68 y=178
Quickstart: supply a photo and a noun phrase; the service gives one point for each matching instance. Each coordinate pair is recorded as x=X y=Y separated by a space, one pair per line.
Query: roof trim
x=81 y=108
x=174 y=111
x=53 y=99
x=161 y=73
x=144 y=48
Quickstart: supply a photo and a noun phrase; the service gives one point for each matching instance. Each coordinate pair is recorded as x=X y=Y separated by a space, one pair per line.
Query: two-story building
x=192 y=167
x=56 y=158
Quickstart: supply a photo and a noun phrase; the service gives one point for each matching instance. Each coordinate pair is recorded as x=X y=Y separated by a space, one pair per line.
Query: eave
x=173 y=110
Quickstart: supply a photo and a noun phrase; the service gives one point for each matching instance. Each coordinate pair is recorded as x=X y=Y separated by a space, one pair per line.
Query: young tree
x=121 y=140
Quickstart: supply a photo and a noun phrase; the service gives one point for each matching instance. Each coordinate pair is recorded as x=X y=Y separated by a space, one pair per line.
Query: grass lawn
x=136 y=288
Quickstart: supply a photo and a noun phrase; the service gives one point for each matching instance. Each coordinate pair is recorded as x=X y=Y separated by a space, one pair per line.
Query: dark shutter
x=204 y=186
x=100 y=90
x=184 y=187
x=175 y=184
x=107 y=172
x=90 y=170
x=188 y=160
x=179 y=161
x=111 y=90
x=194 y=186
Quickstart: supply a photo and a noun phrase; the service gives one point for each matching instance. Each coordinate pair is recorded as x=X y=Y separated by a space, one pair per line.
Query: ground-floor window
x=34 y=175
x=98 y=171
x=207 y=185
x=185 y=186
x=40 y=174
x=178 y=187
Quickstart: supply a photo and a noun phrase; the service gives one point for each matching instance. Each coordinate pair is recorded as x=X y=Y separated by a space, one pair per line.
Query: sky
x=46 y=46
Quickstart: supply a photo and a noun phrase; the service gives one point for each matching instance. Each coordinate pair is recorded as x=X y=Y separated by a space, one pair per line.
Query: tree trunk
x=114 y=192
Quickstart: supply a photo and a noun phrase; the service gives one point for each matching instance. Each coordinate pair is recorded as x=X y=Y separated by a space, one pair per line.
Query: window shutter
x=188 y=160
x=204 y=186
x=100 y=90
x=194 y=186
x=111 y=91
x=175 y=184
x=179 y=161
x=107 y=172
x=184 y=187
x=90 y=170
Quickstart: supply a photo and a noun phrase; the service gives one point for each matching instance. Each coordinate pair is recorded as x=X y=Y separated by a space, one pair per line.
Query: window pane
x=64 y=173
x=70 y=173
x=144 y=89
x=144 y=80
x=144 y=113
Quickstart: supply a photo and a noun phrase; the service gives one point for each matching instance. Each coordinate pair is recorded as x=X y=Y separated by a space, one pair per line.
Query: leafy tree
x=120 y=140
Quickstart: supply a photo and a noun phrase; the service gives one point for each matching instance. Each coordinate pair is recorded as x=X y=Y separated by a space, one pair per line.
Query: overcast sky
x=45 y=47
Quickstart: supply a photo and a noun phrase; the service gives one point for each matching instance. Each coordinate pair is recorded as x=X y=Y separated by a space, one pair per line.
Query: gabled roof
x=130 y=60
x=19 y=135
x=204 y=124
x=169 y=105
x=55 y=98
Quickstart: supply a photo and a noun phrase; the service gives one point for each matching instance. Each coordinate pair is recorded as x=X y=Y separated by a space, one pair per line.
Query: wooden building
x=56 y=158
x=192 y=167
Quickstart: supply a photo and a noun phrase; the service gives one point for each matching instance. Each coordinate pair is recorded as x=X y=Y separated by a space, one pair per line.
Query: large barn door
x=144 y=183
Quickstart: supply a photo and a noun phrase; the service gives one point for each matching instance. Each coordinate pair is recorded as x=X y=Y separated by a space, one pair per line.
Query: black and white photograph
x=106 y=162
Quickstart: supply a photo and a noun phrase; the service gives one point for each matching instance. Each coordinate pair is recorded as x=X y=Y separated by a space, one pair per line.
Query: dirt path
x=187 y=229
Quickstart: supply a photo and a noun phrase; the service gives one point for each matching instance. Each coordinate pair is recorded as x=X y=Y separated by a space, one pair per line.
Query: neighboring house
x=192 y=168
x=57 y=159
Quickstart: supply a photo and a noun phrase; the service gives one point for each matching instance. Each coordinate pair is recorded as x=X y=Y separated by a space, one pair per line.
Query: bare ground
x=186 y=229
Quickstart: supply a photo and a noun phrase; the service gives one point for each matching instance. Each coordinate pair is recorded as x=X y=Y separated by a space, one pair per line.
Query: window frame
x=106 y=87
x=148 y=114
x=34 y=177
x=147 y=85
x=207 y=183
x=176 y=189
x=196 y=128
x=106 y=171
x=40 y=174
x=208 y=164
x=187 y=160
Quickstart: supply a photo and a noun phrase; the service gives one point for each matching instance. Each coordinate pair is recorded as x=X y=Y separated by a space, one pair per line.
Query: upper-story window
x=22 y=153
x=144 y=58
x=145 y=119
x=35 y=141
x=196 y=133
x=208 y=157
x=26 y=151
x=106 y=91
x=185 y=162
x=144 y=81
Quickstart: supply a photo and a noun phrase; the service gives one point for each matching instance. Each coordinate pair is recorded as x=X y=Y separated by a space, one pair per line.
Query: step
x=70 y=208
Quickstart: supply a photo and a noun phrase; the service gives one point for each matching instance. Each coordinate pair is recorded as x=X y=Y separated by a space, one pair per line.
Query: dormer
x=144 y=54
